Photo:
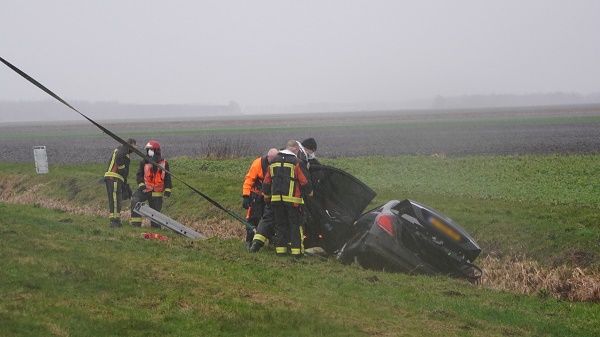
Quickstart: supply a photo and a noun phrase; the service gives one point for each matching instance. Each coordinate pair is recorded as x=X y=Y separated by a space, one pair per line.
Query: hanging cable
x=122 y=141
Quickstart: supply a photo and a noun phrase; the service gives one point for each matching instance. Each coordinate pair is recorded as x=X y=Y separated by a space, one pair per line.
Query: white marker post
x=41 y=160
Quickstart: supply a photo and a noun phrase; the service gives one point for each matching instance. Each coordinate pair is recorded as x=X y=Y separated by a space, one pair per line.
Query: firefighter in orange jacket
x=285 y=185
x=252 y=196
x=116 y=181
x=154 y=183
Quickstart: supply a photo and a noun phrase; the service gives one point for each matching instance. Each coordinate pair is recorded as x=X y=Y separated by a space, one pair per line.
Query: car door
x=339 y=200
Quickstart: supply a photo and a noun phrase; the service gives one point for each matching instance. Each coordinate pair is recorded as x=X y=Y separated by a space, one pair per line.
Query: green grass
x=552 y=179
x=66 y=274
x=545 y=207
x=70 y=275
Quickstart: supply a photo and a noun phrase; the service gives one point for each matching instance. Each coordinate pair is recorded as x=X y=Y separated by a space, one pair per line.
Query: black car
x=399 y=236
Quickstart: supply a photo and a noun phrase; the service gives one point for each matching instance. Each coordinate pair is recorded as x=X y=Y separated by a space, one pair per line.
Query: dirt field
x=452 y=133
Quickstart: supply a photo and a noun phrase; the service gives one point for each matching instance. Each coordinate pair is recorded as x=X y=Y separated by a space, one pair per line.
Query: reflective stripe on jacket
x=118 y=167
x=287 y=180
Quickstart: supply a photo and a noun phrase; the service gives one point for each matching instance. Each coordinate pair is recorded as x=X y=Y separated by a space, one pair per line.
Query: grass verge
x=535 y=217
x=66 y=274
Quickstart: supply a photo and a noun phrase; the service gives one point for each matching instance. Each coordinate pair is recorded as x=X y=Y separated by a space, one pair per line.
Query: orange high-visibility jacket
x=254 y=177
x=155 y=179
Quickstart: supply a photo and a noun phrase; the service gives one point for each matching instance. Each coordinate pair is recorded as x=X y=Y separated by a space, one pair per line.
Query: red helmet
x=153 y=145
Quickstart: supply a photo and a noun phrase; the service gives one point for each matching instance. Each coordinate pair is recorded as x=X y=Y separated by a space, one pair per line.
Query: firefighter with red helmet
x=154 y=183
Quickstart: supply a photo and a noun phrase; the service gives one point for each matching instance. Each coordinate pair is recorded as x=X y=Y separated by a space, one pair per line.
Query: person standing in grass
x=252 y=196
x=286 y=183
x=116 y=181
x=154 y=183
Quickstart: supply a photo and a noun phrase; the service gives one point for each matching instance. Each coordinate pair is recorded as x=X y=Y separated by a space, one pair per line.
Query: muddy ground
x=451 y=133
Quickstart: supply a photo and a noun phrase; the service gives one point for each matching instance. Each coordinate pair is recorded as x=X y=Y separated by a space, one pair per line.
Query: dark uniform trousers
x=114 y=189
x=266 y=226
x=288 y=228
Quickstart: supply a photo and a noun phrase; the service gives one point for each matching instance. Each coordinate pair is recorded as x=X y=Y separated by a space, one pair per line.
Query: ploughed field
x=507 y=131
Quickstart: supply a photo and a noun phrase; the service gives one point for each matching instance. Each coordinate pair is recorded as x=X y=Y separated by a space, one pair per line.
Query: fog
x=262 y=54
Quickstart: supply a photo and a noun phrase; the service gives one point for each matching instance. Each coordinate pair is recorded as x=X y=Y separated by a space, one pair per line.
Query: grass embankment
x=66 y=273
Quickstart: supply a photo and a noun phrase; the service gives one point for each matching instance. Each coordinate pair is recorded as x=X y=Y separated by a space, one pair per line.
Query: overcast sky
x=297 y=51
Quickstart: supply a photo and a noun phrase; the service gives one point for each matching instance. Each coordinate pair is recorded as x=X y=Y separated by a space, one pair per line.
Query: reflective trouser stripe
x=136 y=220
x=114 y=211
x=296 y=251
x=301 y=239
x=115 y=200
x=260 y=238
x=281 y=250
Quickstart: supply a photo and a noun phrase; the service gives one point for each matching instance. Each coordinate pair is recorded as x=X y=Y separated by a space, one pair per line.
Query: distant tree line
x=53 y=110
x=508 y=100
x=438 y=102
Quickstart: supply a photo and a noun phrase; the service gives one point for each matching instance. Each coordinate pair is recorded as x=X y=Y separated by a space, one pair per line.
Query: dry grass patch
x=527 y=277
x=216 y=227
x=10 y=193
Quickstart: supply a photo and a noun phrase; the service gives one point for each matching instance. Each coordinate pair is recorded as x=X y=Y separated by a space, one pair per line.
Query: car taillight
x=385 y=222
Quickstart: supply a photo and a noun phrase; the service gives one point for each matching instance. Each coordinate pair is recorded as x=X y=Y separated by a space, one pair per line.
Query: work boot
x=256 y=245
x=249 y=235
x=297 y=257
x=115 y=224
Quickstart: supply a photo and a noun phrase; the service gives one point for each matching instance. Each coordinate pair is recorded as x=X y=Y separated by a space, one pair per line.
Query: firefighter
x=310 y=146
x=284 y=186
x=252 y=196
x=116 y=181
x=266 y=226
x=154 y=183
